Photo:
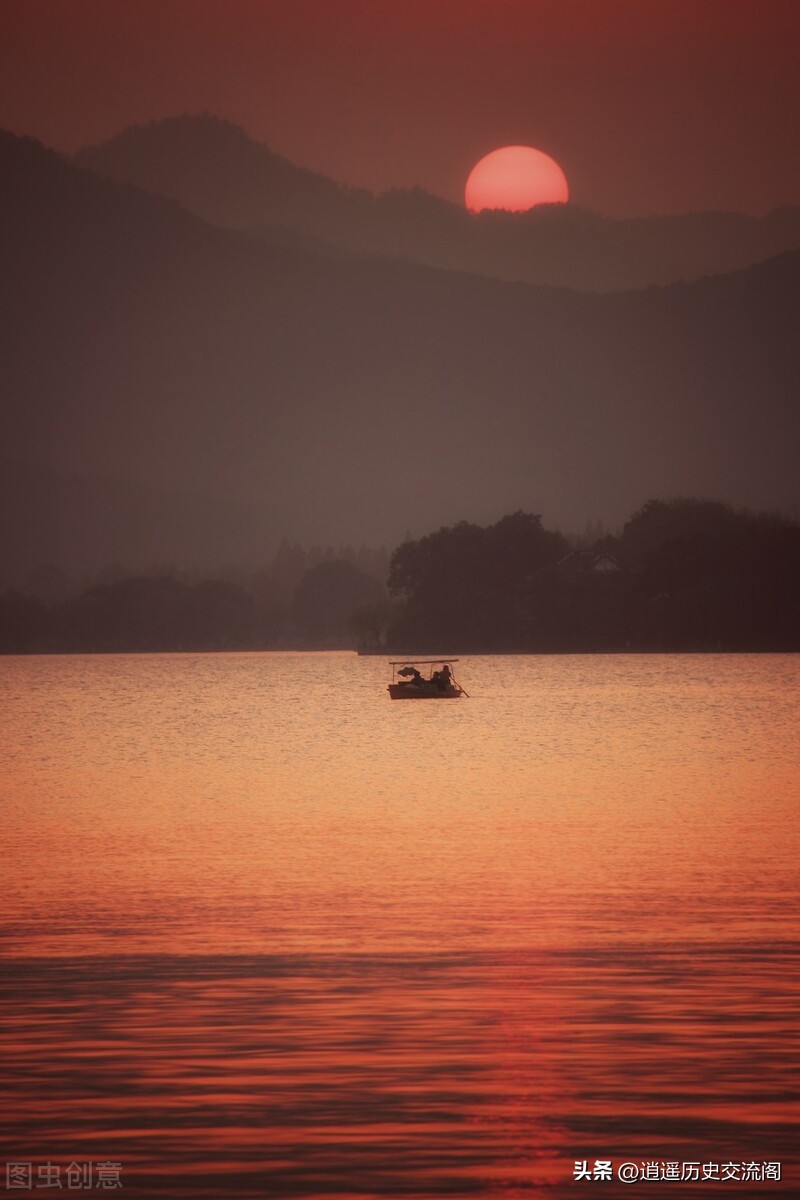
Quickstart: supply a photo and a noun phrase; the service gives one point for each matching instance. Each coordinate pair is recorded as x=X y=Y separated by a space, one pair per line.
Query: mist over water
x=267 y=933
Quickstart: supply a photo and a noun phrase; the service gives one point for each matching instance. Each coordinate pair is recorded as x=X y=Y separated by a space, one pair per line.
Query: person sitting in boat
x=442 y=678
x=413 y=674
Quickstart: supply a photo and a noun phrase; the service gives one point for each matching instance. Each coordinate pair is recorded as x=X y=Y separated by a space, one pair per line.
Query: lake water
x=267 y=933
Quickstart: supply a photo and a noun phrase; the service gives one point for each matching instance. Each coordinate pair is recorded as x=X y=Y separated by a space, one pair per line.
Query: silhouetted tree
x=714 y=577
x=371 y=624
x=464 y=585
x=287 y=569
x=219 y=616
x=326 y=599
x=138 y=613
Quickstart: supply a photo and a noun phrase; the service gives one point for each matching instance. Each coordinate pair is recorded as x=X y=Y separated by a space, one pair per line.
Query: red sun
x=515 y=178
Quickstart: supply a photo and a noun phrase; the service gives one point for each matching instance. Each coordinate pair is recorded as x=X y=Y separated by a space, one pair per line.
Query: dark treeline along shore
x=300 y=597
x=683 y=575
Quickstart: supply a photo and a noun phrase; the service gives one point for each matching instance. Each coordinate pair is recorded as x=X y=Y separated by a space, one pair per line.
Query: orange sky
x=649 y=105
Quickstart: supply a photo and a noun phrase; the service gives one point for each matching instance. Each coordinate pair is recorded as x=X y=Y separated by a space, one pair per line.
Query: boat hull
x=413 y=691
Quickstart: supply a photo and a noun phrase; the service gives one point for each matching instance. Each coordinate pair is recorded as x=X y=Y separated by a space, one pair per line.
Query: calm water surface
x=268 y=934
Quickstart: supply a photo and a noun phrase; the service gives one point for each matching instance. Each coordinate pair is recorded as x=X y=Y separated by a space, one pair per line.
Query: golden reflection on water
x=268 y=933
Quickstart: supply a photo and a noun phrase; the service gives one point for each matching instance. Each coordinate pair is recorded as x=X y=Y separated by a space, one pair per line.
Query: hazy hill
x=216 y=171
x=357 y=400
x=85 y=522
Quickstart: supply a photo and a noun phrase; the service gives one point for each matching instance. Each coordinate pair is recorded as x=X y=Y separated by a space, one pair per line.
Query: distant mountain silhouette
x=360 y=399
x=216 y=171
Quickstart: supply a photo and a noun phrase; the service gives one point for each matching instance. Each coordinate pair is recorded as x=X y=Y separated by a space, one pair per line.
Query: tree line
x=299 y=599
x=682 y=575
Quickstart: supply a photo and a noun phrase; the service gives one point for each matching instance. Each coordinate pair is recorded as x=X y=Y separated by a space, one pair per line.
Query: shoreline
x=404 y=655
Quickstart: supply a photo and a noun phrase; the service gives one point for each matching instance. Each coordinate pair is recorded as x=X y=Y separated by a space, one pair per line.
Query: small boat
x=438 y=683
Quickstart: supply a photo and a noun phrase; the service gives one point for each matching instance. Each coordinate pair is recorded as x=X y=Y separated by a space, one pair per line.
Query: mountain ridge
x=357 y=399
x=217 y=171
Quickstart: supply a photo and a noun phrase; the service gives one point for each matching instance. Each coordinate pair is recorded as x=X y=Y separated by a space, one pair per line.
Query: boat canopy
x=419 y=662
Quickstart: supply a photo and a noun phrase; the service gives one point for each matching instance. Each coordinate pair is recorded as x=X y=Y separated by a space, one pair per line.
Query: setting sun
x=515 y=178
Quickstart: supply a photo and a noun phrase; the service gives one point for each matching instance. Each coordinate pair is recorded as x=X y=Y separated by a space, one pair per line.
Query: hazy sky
x=649 y=105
